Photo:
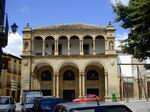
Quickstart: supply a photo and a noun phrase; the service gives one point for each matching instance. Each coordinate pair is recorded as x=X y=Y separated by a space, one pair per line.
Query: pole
x=120 y=83
x=142 y=84
x=139 y=89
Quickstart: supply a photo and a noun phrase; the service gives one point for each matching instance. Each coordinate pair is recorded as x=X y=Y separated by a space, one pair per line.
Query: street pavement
x=18 y=107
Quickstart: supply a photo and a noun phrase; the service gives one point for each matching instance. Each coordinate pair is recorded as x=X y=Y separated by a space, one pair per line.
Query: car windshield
x=4 y=100
x=30 y=97
x=117 y=109
x=30 y=100
x=33 y=94
x=85 y=110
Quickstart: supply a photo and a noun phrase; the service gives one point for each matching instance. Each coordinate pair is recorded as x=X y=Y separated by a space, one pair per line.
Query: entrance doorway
x=93 y=91
x=46 y=92
x=69 y=94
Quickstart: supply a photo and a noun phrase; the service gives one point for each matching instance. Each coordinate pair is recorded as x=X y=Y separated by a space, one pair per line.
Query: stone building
x=70 y=61
x=135 y=78
x=10 y=78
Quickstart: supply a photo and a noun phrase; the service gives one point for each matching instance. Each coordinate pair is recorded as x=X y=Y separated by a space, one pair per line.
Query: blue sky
x=50 y=12
x=53 y=12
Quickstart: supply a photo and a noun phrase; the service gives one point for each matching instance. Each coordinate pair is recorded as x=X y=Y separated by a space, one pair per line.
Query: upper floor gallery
x=72 y=39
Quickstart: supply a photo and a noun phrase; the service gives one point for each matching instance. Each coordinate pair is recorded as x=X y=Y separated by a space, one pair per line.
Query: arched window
x=46 y=76
x=92 y=75
x=68 y=75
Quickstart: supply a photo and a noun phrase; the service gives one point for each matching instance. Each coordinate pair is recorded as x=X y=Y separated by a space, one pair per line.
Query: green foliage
x=136 y=17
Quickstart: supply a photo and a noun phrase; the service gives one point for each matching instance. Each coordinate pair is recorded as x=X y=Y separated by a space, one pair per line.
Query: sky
x=53 y=12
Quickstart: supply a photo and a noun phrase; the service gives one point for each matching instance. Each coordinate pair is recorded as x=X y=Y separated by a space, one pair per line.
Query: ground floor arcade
x=72 y=79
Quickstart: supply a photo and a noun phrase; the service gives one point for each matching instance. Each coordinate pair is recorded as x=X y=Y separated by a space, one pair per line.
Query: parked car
x=28 y=97
x=86 y=98
x=46 y=103
x=91 y=107
x=7 y=104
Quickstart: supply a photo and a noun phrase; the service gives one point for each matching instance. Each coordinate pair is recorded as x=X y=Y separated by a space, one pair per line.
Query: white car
x=7 y=104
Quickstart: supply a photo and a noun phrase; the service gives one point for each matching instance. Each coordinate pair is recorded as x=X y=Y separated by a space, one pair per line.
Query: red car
x=89 y=97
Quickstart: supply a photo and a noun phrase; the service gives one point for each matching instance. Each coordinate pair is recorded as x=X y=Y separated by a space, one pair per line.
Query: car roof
x=72 y=105
x=6 y=96
x=48 y=97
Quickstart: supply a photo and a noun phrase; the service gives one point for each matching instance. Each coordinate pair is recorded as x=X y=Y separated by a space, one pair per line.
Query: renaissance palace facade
x=70 y=60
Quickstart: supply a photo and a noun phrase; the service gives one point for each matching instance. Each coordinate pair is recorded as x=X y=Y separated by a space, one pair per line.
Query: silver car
x=7 y=104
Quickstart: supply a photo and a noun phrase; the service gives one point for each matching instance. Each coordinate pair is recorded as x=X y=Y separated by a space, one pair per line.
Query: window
x=128 y=90
x=86 y=48
x=68 y=75
x=60 y=49
x=46 y=76
x=53 y=48
x=92 y=75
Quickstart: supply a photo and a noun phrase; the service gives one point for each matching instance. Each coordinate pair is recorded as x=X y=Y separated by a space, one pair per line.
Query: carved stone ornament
x=26 y=44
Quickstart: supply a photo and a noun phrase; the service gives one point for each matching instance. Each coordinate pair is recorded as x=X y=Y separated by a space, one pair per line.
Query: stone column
x=80 y=84
x=81 y=47
x=69 y=47
x=83 y=83
x=43 y=48
x=54 y=85
x=106 y=84
x=94 y=49
x=106 y=46
x=56 y=47
x=57 y=85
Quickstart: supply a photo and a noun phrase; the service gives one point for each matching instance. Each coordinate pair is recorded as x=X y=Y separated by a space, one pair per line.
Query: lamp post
x=14 y=28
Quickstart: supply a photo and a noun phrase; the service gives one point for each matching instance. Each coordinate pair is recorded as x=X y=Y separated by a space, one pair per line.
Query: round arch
x=100 y=37
x=49 y=38
x=68 y=81
x=37 y=45
x=43 y=77
x=40 y=63
x=62 y=37
x=87 y=37
x=74 y=45
x=66 y=63
x=95 y=79
x=95 y=62
x=37 y=37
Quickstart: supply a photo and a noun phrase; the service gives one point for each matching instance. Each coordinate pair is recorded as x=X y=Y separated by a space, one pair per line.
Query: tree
x=136 y=17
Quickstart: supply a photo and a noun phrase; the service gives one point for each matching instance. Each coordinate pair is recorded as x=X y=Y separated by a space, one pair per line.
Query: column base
x=56 y=53
x=81 y=53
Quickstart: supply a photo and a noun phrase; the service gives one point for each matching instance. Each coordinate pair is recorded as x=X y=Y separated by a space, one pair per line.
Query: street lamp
x=14 y=28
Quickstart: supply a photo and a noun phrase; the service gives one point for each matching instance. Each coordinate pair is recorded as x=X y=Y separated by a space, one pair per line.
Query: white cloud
x=125 y=69
x=125 y=2
x=24 y=9
x=119 y=38
x=14 y=45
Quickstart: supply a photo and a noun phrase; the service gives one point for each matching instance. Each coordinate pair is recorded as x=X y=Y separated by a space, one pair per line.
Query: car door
x=12 y=104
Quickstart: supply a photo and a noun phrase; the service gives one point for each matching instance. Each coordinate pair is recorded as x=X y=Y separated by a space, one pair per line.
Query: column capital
x=56 y=73
x=106 y=73
x=82 y=73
